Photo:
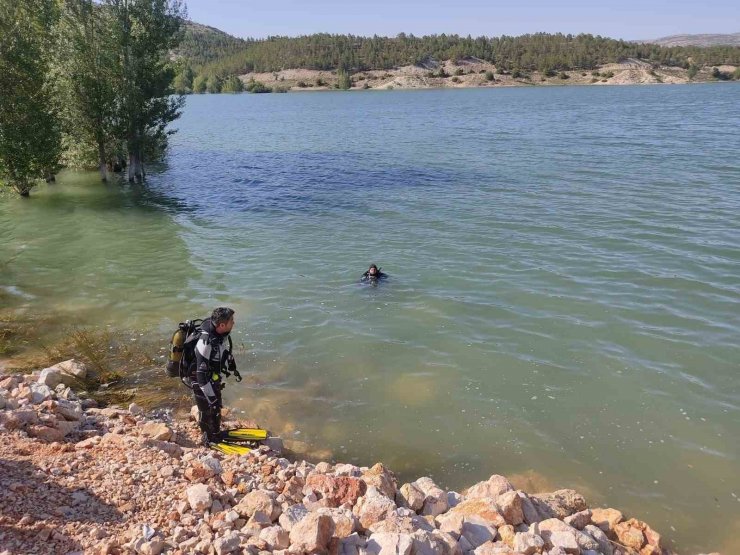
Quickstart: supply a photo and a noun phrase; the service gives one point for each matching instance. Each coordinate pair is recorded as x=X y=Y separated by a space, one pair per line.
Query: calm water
x=564 y=300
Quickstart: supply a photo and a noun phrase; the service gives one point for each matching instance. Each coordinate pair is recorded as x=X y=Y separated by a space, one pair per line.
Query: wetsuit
x=377 y=277
x=213 y=359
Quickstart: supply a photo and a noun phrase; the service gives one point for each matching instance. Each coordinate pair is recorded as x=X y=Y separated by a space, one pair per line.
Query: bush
x=608 y=74
x=320 y=82
x=257 y=87
x=489 y=76
x=442 y=73
x=563 y=75
x=301 y=85
x=594 y=80
x=365 y=85
x=455 y=79
x=430 y=74
x=595 y=73
x=517 y=74
x=736 y=74
x=692 y=71
x=583 y=74
x=280 y=89
x=459 y=71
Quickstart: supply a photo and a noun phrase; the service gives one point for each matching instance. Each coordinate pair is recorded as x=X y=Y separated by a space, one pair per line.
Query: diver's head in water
x=372 y=271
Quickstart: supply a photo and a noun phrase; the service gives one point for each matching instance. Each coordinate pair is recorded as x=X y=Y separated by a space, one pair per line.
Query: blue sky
x=627 y=19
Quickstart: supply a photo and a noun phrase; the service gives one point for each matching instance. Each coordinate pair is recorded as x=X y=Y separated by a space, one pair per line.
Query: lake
x=563 y=305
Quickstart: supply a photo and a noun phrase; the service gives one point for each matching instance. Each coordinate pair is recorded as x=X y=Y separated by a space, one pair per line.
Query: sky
x=625 y=19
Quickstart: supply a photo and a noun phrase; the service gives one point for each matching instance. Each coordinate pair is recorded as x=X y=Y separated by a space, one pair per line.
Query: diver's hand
x=237 y=375
x=209 y=394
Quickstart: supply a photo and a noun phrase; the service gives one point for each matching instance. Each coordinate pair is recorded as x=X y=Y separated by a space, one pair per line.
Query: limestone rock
x=477 y=531
x=373 y=507
x=630 y=534
x=275 y=537
x=605 y=546
x=72 y=368
x=199 y=497
x=345 y=523
x=50 y=377
x=411 y=496
x=482 y=507
x=510 y=506
x=527 y=543
x=157 y=430
x=382 y=479
x=388 y=543
x=70 y=410
x=606 y=519
x=46 y=433
x=312 y=533
x=559 y=504
x=435 y=500
x=579 y=520
x=292 y=515
x=40 y=393
x=227 y=544
x=491 y=488
x=258 y=500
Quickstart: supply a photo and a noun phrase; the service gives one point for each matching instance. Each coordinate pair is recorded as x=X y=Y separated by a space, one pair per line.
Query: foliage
x=257 y=87
x=232 y=84
x=30 y=132
x=489 y=76
x=344 y=81
x=692 y=71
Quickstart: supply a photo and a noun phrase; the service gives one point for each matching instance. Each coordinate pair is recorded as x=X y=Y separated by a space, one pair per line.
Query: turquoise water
x=564 y=280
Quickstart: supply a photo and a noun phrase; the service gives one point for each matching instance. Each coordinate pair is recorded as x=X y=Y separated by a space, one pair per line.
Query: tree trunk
x=135 y=167
x=23 y=188
x=102 y=165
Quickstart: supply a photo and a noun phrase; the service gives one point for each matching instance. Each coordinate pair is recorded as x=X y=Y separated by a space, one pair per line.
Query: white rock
x=40 y=393
x=528 y=543
x=388 y=543
x=276 y=537
x=50 y=377
x=292 y=515
x=411 y=496
x=135 y=409
x=312 y=533
x=73 y=368
x=228 y=544
x=70 y=410
x=199 y=497
x=477 y=531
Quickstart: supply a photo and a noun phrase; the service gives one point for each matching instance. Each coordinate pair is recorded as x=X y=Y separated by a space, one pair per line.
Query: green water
x=564 y=292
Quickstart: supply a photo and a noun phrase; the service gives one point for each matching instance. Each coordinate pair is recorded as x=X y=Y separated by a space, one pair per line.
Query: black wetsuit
x=213 y=358
x=370 y=278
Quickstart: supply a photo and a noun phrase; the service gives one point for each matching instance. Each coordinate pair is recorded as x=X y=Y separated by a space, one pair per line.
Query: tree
x=232 y=84
x=200 y=84
x=344 y=81
x=86 y=62
x=29 y=122
x=183 y=83
x=144 y=31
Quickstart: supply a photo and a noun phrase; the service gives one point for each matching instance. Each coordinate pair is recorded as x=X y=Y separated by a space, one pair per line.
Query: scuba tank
x=176 y=348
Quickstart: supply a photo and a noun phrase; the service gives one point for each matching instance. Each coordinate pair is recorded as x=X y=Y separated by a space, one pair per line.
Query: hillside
x=732 y=39
x=202 y=44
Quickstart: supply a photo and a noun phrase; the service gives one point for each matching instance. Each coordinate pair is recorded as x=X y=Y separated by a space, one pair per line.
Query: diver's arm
x=202 y=374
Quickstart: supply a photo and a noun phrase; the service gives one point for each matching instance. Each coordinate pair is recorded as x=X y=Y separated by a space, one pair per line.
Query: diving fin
x=230 y=448
x=245 y=434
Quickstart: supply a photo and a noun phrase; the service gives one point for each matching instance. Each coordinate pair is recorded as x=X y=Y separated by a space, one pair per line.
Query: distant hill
x=732 y=39
x=203 y=44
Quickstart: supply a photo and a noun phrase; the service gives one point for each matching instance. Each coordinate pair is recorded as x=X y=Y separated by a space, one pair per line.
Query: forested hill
x=732 y=39
x=214 y=53
x=202 y=44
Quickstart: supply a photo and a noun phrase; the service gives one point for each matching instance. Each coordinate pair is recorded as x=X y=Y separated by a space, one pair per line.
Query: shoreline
x=474 y=73
x=77 y=477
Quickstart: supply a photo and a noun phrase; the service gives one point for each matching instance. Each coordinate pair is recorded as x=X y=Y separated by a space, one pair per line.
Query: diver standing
x=213 y=358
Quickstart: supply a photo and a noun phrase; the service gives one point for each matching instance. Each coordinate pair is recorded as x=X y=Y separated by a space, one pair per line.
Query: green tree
x=30 y=138
x=692 y=71
x=200 y=84
x=86 y=63
x=215 y=83
x=344 y=81
x=144 y=32
x=232 y=84
x=183 y=83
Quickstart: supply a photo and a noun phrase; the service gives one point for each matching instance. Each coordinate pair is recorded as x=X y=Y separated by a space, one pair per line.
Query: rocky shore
x=77 y=478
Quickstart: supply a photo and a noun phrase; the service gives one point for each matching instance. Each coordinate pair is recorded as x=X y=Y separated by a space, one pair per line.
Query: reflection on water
x=563 y=300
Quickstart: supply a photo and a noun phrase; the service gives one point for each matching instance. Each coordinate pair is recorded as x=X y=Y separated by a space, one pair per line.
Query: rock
x=491 y=488
x=492 y=548
x=88 y=443
x=275 y=444
x=630 y=534
x=507 y=534
x=334 y=491
x=312 y=533
x=259 y=519
x=453 y=499
x=343 y=469
x=559 y=504
x=135 y=409
x=387 y=543
x=564 y=540
x=292 y=515
x=172 y=449
x=482 y=507
x=435 y=501
x=451 y=523
x=410 y=496
x=345 y=522
x=275 y=538
x=258 y=501
x=401 y=524
x=227 y=544
x=606 y=519
x=527 y=543
x=199 y=497
x=477 y=531
x=510 y=506
x=66 y=427
x=382 y=479
x=70 y=410
x=432 y=543
x=157 y=430
x=72 y=368
x=40 y=393
x=550 y=526
x=605 y=546
x=153 y=547
x=45 y=433
x=373 y=507
x=579 y=520
x=50 y=377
